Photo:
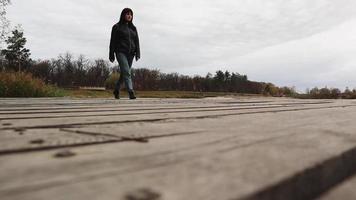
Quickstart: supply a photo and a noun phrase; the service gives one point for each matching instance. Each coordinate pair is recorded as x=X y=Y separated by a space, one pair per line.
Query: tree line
x=329 y=93
x=67 y=71
x=146 y=79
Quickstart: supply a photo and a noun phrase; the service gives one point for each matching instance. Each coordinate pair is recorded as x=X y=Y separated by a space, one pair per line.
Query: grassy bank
x=19 y=84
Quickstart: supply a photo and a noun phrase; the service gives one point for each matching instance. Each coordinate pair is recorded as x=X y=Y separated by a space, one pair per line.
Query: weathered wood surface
x=213 y=148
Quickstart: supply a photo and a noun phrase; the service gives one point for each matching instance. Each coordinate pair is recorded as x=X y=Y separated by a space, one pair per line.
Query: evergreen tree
x=219 y=80
x=16 y=53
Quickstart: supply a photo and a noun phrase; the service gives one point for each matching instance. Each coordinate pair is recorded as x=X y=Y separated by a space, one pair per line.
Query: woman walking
x=124 y=44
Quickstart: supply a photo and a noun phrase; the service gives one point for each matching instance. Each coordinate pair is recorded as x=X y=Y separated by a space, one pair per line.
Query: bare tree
x=82 y=64
x=4 y=22
x=4 y=29
x=68 y=67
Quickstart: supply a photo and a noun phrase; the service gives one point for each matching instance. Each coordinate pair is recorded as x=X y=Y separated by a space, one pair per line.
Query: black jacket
x=124 y=39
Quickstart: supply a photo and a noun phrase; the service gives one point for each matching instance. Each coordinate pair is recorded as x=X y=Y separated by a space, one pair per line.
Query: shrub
x=110 y=82
x=19 y=84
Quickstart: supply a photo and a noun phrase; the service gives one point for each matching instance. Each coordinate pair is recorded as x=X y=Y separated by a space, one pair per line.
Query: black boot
x=116 y=94
x=132 y=95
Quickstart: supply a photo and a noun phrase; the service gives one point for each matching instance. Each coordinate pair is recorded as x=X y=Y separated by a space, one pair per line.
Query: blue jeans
x=125 y=62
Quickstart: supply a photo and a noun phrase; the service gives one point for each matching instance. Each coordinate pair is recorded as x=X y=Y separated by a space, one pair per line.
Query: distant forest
x=67 y=71
x=70 y=72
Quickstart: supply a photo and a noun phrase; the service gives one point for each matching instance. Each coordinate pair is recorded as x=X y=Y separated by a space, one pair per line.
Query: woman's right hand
x=111 y=58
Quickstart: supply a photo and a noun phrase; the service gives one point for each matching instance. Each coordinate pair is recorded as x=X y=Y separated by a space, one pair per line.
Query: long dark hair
x=122 y=18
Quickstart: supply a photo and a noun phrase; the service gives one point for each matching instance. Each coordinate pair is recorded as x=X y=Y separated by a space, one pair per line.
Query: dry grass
x=19 y=84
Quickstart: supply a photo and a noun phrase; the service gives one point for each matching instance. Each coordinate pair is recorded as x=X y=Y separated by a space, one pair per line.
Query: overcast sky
x=302 y=43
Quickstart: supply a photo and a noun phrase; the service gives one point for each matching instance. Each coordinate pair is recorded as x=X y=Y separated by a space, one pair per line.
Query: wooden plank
x=344 y=191
x=103 y=108
x=17 y=141
x=227 y=157
x=136 y=111
x=146 y=117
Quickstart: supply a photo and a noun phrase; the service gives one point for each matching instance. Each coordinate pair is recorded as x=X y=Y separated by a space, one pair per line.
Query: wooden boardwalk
x=179 y=149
